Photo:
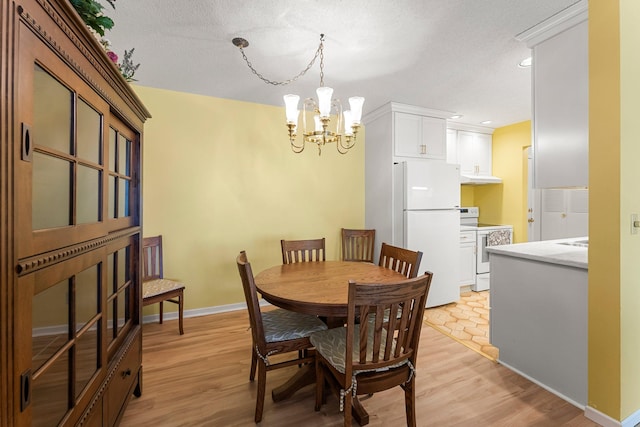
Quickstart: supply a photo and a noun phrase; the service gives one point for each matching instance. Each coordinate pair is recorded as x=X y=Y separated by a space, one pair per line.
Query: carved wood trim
x=7 y=229
x=113 y=78
x=38 y=262
x=105 y=384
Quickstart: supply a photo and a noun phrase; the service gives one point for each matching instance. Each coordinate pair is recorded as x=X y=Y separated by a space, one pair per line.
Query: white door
x=437 y=235
x=533 y=202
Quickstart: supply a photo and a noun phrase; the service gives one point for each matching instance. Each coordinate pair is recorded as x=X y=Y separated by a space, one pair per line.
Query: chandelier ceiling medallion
x=346 y=124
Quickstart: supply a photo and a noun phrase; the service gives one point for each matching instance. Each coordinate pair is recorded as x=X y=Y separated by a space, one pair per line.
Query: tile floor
x=466 y=321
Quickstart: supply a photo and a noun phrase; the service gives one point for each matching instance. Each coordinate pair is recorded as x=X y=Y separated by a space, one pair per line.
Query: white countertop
x=551 y=251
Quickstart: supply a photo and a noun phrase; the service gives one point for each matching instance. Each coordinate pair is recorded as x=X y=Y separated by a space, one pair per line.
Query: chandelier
x=347 y=122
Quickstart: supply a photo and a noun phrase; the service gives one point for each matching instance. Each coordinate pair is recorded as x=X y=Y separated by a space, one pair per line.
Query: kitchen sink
x=580 y=243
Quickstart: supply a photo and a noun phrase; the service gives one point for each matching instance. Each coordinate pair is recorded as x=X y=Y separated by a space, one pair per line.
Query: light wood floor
x=202 y=379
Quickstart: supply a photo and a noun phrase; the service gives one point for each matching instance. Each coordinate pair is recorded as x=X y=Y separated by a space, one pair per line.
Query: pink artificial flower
x=113 y=57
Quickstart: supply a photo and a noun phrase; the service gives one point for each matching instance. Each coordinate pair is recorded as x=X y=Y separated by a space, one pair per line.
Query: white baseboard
x=544 y=386
x=173 y=315
x=152 y=318
x=600 y=418
x=632 y=420
x=606 y=421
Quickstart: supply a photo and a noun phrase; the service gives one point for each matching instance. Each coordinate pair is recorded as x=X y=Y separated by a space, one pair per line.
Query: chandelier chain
x=319 y=53
x=321 y=60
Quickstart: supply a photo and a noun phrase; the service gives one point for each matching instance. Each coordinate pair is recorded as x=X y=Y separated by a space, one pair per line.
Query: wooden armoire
x=70 y=222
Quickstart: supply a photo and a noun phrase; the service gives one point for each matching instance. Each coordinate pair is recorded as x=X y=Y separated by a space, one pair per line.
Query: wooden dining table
x=319 y=288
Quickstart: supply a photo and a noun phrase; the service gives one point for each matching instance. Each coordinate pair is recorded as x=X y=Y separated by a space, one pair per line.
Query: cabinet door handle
x=25 y=390
x=126 y=373
x=423 y=149
x=27 y=143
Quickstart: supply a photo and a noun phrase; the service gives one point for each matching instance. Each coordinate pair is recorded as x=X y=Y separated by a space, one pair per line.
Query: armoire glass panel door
x=66 y=324
x=67 y=159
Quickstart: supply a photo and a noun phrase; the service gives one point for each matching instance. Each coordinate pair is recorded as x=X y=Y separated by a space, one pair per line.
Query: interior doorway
x=533 y=202
x=555 y=213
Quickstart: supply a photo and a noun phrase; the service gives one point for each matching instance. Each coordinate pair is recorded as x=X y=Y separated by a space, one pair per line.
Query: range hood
x=471 y=179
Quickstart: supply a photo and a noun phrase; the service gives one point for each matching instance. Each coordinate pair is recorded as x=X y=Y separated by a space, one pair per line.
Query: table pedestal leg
x=306 y=375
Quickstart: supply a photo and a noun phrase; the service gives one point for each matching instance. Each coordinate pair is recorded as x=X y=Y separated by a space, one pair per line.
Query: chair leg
x=262 y=384
x=180 y=312
x=410 y=402
x=254 y=361
x=348 y=409
x=319 y=385
x=161 y=312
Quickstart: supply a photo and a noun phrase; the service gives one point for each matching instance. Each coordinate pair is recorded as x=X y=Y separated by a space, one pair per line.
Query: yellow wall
x=630 y=202
x=614 y=271
x=467 y=195
x=505 y=203
x=219 y=177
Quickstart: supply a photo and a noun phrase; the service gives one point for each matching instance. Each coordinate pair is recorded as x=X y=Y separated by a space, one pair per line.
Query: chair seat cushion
x=331 y=344
x=155 y=287
x=283 y=325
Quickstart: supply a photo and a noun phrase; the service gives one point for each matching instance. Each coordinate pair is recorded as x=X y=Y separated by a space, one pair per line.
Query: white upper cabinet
x=395 y=133
x=471 y=147
x=452 y=146
x=419 y=136
x=561 y=98
x=474 y=153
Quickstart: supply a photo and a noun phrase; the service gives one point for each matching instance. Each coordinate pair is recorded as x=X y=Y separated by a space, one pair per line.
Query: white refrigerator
x=427 y=219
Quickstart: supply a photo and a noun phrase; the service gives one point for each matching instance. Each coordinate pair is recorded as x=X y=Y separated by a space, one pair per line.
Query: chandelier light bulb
x=356 y=102
x=291 y=105
x=324 y=100
x=348 y=122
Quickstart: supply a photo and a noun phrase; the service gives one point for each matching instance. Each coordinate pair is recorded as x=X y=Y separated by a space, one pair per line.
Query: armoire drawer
x=123 y=379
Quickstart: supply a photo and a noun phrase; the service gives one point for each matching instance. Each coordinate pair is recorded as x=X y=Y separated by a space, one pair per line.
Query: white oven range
x=486 y=235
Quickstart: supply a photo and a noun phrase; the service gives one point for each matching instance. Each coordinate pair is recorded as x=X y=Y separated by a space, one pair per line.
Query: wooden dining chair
x=273 y=332
x=358 y=245
x=155 y=288
x=404 y=261
x=302 y=250
x=380 y=351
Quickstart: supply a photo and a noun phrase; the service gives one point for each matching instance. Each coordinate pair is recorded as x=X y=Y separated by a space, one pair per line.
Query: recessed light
x=525 y=63
x=486 y=122
x=456 y=116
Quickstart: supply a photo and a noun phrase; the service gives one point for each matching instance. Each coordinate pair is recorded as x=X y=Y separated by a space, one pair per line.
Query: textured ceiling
x=454 y=55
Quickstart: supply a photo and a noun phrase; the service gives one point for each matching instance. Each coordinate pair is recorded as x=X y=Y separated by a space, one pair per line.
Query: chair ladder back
x=397 y=311
x=251 y=298
x=404 y=261
x=152 y=258
x=358 y=245
x=303 y=250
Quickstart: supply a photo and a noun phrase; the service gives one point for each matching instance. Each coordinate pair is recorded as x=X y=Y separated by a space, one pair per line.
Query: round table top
x=319 y=288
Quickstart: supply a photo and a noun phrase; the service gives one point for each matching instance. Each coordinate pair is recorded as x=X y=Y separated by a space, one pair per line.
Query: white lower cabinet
x=467 y=258
x=564 y=213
